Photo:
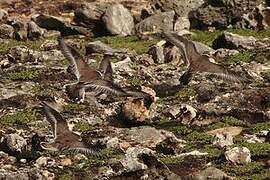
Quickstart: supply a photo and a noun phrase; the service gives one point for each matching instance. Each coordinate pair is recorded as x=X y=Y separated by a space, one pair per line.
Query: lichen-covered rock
x=15 y=142
x=238 y=155
x=156 y=51
x=118 y=20
x=22 y=54
x=34 y=31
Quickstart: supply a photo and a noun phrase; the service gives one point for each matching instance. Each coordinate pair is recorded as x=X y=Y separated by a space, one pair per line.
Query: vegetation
x=19 y=118
x=26 y=75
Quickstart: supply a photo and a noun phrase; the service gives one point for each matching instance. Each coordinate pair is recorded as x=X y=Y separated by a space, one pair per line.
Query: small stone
x=238 y=155
x=48 y=175
x=42 y=161
x=23 y=161
x=223 y=140
x=15 y=142
x=66 y=162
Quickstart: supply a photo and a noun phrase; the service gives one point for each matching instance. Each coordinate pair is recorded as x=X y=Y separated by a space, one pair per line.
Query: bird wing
x=201 y=63
x=75 y=59
x=105 y=68
x=58 y=124
x=104 y=86
x=170 y=36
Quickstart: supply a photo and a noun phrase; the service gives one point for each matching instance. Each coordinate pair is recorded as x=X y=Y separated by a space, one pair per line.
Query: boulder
x=56 y=23
x=156 y=23
x=118 y=20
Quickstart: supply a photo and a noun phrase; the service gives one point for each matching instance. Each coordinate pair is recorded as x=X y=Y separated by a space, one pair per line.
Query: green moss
x=242 y=56
x=83 y=126
x=255 y=128
x=256 y=169
x=72 y=107
x=35 y=45
x=134 y=81
x=175 y=127
x=205 y=37
x=250 y=32
x=19 y=118
x=198 y=138
x=130 y=42
x=29 y=74
x=226 y=121
x=44 y=90
x=66 y=177
x=169 y=159
x=257 y=150
x=185 y=93
x=213 y=152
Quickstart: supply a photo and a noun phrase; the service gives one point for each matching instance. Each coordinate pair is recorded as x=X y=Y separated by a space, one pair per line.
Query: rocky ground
x=208 y=129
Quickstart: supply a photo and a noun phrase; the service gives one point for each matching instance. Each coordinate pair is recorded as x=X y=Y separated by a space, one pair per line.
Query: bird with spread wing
x=88 y=78
x=64 y=139
x=198 y=62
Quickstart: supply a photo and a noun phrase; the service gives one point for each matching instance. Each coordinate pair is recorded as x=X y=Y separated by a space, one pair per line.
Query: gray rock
x=156 y=23
x=20 y=29
x=233 y=41
x=238 y=155
x=157 y=52
x=211 y=173
x=89 y=15
x=220 y=14
x=23 y=54
x=56 y=23
x=223 y=140
x=15 y=142
x=181 y=23
x=118 y=20
x=173 y=55
x=6 y=31
x=181 y=8
x=3 y=15
x=183 y=113
x=99 y=47
x=34 y=31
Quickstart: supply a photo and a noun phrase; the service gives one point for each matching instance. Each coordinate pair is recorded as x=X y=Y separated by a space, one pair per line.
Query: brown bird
x=64 y=139
x=99 y=81
x=198 y=62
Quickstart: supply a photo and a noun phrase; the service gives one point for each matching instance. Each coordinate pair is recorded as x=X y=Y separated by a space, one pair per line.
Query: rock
x=89 y=15
x=222 y=14
x=99 y=47
x=181 y=23
x=181 y=8
x=156 y=51
x=233 y=131
x=42 y=162
x=6 y=31
x=66 y=162
x=151 y=137
x=15 y=142
x=134 y=111
x=131 y=161
x=206 y=92
x=20 y=29
x=222 y=53
x=211 y=173
x=3 y=15
x=233 y=41
x=22 y=54
x=56 y=23
x=184 y=113
x=238 y=155
x=173 y=55
x=253 y=138
x=156 y=23
x=118 y=20
x=34 y=31
x=223 y=140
